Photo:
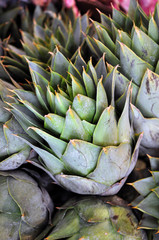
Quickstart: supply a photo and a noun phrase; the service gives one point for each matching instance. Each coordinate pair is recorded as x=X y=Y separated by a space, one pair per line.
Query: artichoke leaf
x=92 y=211
x=57 y=145
x=145 y=47
x=77 y=87
x=149 y=94
x=101 y=68
x=113 y=164
x=153 y=30
x=27 y=204
x=154 y=162
x=73 y=128
x=80 y=157
x=52 y=163
x=150 y=205
x=41 y=97
x=59 y=60
x=13 y=222
x=54 y=123
x=89 y=84
x=50 y=99
x=68 y=226
x=124 y=125
x=101 y=100
x=61 y=104
x=84 y=107
x=110 y=57
x=27 y=96
x=4 y=114
x=80 y=185
x=89 y=127
x=149 y=127
x=92 y=72
x=120 y=215
x=15 y=160
x=132 y=66
x=106 y=131
x=104 y=36
x=148 y=222
x=143 y=186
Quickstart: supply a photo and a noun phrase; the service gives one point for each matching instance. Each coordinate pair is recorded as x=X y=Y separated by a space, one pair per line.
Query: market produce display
x=79 y=116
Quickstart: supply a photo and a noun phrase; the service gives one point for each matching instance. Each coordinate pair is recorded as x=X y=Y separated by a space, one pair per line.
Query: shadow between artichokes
x=83 y=142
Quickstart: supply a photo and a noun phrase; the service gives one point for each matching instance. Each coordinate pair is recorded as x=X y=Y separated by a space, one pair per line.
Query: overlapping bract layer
x=13 y=152
x=128 y=40
x=134 y=46
x=84 y=143
x=94 y=218
x=24 y=207
x=50 y=30
x=148 y=201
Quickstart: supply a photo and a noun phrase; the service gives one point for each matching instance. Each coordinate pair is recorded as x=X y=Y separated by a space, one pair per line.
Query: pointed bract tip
x=33 y=128
x=148 y=156
x=130 y=184
x=83 y=68
x=51 y=53
x=112 y=6
x=135 y=207
x=8 y=109
x=29 y=161
x=73 y=142
x=98 y=11
x=5 y=126
x=91 y=20
x=138 y=228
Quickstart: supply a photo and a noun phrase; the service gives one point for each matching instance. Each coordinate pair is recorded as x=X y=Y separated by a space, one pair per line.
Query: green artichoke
x=24 y=206
x=148 y=200
x=94 y=218
x=132 y=42
x=51 y=30
x=13 y=152
x=86 y=146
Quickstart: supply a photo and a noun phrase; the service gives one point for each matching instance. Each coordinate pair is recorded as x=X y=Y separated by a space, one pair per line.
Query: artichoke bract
x=24 y=206
x=131 y=41
x=85 y=145
x=148 y=200
x=94 y=218
x=13 y=152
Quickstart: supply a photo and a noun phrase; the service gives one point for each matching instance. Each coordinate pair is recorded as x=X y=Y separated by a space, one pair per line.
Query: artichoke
x=24 y=206
x=148 y=200
x=13 y=152
x=50 y=30
x=94 y=218
x=84 y=143
x=131 y=41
